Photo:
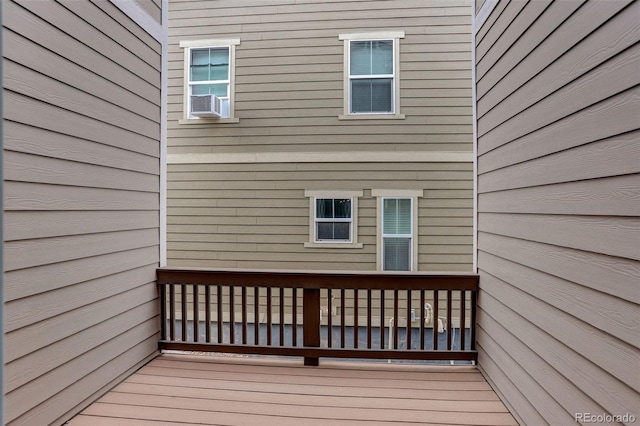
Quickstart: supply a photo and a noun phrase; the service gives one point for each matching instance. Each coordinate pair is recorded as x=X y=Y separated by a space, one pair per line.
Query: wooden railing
x=414 y=316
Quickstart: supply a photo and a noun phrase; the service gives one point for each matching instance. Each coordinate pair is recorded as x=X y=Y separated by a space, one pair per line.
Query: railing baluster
x=449 y=327
x=183 y=303
x=232 y=316
x=281 y=313
x=396 y=319
x=422 y=318
x=163 y=311
x=369 y=325
x=294 y=317
x=207 y=312
x=435 y=320
x=355 y=318
x=256 y=315
x=219 y=312
x=172 y=311
x=408 y=319
x=196 y=314
x=244 y=315
x=462 y=319
x=269 y=316
x=382 y=324
x=329 y=319
x=342 y=317
x=472 y=320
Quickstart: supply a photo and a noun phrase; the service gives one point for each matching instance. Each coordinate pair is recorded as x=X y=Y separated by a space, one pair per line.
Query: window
x=372 y=75
x=397 y=228
x=397 y=234
x=333 y=219
x=209 y=70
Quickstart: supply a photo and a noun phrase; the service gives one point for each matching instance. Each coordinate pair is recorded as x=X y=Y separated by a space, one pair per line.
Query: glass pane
x=324 y=231
x=220 y=90
x=404 y=216
x=324 y=208
x=219 y=64
x=371 y=95
x=382 y=57
x=341 y=231
x=397 y=254
x=342 y=208
x=396 y=213
x=360 y=58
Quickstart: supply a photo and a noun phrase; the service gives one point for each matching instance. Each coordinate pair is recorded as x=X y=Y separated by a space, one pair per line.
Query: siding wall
x=256 y=215
x=81 y=168
x=289 y=95
x=558 y=199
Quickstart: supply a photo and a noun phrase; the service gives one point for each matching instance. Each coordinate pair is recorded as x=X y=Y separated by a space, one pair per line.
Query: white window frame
x=381 y=195
x=188 y=45
x=395 y=36
x=313 y=195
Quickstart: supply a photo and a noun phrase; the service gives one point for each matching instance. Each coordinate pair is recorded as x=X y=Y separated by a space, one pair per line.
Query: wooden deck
x=190 y=389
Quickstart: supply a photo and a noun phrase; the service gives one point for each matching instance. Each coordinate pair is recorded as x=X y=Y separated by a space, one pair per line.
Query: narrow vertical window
x=397 y=234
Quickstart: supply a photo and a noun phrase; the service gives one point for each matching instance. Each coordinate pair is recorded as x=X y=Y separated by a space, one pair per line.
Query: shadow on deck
x=205 y=389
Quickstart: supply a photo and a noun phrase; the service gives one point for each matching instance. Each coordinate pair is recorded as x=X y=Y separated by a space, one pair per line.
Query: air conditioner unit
x=205 y=106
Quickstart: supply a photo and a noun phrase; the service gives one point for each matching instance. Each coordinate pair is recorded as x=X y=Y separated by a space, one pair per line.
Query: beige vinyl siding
x=256 y=215
x=152 y=7
x=289 y=75
x=81 y=221
x=558 y=169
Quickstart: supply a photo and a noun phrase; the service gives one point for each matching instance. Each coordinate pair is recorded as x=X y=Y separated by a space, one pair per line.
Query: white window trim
x=413 y=194
x=313 y=195
x=187 y=45
x=381 y=35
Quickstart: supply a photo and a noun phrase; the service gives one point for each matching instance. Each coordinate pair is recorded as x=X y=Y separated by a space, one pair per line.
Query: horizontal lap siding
x=81 y=221
x=256 y=215
x=289 y=75
x=558 y=164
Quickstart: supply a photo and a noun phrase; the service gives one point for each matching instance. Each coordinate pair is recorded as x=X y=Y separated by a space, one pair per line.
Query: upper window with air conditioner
x=372 y=75
x=209 y=80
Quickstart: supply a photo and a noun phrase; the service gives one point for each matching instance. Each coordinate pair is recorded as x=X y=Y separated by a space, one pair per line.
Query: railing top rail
x=320 y=279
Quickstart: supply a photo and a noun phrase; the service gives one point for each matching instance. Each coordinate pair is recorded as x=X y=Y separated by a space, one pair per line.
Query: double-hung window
x=372 y=75
x=397 y=234
x=397 y=214
x=209 y=70
x=333 y=219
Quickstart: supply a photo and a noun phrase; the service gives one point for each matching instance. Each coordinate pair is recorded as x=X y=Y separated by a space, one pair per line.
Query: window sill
x=190 y=121
x=333 y=245
x=372 y=117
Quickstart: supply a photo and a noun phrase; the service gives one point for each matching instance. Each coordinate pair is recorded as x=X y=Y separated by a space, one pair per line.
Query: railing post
x=311 y=322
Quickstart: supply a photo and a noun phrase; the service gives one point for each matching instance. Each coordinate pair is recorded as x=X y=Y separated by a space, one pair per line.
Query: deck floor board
x=188 y=389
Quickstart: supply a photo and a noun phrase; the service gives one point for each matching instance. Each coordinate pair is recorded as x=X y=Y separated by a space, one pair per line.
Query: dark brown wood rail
x=313 y=314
